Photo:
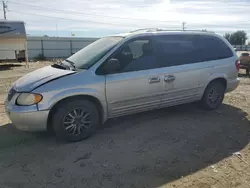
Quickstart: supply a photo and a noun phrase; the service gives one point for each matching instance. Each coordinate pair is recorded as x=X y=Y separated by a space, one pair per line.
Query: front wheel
x=213 y=95
x=75 y=120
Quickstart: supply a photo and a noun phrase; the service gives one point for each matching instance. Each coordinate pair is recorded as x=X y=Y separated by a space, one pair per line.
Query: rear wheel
x=75 y=120
x=213 y=95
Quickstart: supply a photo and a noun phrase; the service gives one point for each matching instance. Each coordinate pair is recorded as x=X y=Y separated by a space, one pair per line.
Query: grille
x=11 y=94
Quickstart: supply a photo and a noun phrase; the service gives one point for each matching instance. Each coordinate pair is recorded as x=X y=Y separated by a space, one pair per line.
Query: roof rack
x=159 y=29
x=144 y=29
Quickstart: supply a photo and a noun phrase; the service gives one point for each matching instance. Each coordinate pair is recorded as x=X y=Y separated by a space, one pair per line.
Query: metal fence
x=62 y=47
x=55 y=47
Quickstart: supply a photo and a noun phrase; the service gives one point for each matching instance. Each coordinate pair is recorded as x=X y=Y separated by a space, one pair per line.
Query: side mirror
x=112 y=66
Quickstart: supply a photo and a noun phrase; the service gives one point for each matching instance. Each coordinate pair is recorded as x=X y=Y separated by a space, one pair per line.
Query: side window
x=136 y=55
x=137 y=48
x=173 y=50
x=211 y=48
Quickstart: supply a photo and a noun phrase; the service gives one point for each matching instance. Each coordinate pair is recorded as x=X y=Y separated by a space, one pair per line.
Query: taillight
x=237 y=64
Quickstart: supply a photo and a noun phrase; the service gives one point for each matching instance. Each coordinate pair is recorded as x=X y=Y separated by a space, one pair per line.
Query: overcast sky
x=103 y=17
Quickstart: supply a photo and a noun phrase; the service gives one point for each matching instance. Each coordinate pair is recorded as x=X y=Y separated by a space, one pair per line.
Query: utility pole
x=4 y=10
x=183 y=26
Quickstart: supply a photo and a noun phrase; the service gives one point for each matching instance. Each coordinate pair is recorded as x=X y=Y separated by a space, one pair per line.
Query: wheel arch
x=90 y=98
x=222 y=80
x=219 y=79
x=203 y=88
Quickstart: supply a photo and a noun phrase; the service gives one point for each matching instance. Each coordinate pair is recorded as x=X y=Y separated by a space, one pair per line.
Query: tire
x=213 y=95
x=75 y=120
x=247 y=71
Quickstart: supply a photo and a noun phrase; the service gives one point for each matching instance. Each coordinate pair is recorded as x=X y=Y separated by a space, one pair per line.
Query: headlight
x=26 y=99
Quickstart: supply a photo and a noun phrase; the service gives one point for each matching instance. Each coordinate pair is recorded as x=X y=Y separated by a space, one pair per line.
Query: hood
x=38 y=77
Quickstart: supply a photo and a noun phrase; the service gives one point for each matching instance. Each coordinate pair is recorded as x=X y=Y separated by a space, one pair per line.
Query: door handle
x=169 y=78
x=154 y=80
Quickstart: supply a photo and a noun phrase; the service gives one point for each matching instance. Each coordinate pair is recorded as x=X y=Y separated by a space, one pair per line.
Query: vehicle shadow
x=144 y=150
x=12 y=137
x=8 y=66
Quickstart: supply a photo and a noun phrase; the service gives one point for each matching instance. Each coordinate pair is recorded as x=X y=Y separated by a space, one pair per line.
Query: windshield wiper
x=59 y=65
x=71 y=63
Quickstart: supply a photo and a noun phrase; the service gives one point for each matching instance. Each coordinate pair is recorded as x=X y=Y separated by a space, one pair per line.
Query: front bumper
x=26 y=118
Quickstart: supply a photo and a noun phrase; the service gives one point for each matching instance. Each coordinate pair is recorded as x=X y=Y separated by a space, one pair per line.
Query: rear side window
x=210 y=48
x=173 y=50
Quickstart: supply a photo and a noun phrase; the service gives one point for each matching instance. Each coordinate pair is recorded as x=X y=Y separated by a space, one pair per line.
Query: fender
x=54 y=99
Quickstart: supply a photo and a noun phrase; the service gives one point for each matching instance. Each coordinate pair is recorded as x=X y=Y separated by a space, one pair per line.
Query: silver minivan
x=120 y=75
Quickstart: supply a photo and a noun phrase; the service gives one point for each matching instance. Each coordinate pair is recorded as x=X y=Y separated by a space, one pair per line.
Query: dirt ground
x=179 y=147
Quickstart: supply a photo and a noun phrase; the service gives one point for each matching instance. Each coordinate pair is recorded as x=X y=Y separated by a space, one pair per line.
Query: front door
x=137 y=86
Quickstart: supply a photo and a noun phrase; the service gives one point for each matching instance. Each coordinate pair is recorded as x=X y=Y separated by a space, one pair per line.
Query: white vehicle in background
x=13 y=46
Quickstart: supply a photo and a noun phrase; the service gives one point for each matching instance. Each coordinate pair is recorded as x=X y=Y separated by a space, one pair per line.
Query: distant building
x=12 y=41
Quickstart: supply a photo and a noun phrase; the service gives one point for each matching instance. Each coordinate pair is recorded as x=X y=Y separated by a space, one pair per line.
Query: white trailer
x=13 y=45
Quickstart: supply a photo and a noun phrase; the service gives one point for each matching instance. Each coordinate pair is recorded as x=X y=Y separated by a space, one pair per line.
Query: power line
x=97 y=15
x=74 y=19
x=104 y=23
x=183 y=26
x=81 y=13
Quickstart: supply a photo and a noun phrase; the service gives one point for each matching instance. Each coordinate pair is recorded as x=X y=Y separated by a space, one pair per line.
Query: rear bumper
x=244 y=66
x=232 y=85
x=27 y=118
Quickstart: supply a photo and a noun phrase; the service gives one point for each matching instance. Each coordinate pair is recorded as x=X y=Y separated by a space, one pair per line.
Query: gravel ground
x=181 y=146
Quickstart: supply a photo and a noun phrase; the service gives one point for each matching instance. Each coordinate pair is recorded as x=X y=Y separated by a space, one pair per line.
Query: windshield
x=89 y=55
